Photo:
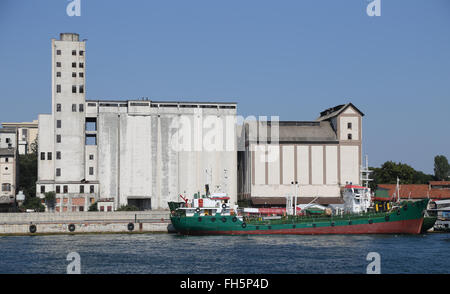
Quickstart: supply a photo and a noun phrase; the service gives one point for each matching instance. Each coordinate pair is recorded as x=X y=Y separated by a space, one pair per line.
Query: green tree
x=93 y=207
x=441 y=168
x=128 y=208
x=389 y=171
x=50 y=199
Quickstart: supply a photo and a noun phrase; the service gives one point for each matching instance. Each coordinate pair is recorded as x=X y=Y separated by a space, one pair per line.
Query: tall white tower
x=68 y=107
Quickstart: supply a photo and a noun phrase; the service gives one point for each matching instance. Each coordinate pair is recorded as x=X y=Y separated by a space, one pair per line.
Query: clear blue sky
x=291 y=58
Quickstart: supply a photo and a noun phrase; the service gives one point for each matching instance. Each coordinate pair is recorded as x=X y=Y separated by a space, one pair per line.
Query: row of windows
x=58 y=157
x=74 y=52
x=58 y=171
x=74 y=64
x=65 y=189
x=74 y=74
x=74 y=89
x=74 y=107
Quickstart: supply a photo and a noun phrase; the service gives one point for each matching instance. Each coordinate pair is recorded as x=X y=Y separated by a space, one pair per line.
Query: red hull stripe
x=398 y=227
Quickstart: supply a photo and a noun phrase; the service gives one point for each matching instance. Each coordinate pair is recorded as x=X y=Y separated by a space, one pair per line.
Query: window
x=81 y=208
x=91 y=171
x=58 y=155
x=109 y=208
x=58 y=172
x=6 y=159
x=81 y=89
x=91 y=157
x=81 y=75
x=58 y=124
x=58 y=138
x=91 y=189
x=91 y=140
x=58 y=88
x=8 y=140
x=81 y=65
x=74 y=89
x=74 y=108
x=74 y=52
x=349 y=136
x=42 y=189
x=42 y=155
x=349 y=126
x=58 y=107
x=74 y=74
x=81 y=107
x=6 y=187
x=49 y=156
x=65 y=189
x=102 y=208
x=81 y=53
x=58 y=189
x=58 y=64
x=81 y=189
x=58 y=74
x=58 y=52
x=74 y=64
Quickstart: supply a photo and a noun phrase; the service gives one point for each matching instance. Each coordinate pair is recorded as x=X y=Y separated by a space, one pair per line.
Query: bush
x=93 y=207
x=128 y=208
x=33 y=203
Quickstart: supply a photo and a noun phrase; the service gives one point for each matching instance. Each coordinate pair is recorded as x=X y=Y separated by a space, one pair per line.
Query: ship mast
x=365 y=173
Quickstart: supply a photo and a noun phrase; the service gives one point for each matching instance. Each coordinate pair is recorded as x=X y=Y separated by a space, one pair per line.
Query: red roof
x=440 y=183
x=417 y=191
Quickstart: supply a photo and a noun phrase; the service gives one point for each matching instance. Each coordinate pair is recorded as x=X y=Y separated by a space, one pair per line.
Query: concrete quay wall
x=84 y=222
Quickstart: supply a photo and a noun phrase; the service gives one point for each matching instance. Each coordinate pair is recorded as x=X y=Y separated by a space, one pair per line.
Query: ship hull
x=406 y=220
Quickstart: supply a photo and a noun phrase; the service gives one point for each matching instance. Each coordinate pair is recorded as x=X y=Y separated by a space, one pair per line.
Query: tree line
x=389 y=171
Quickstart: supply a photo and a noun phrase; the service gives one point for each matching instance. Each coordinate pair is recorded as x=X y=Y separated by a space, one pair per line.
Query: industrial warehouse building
x=146 y=153
x=321 y=156
x=142 y=153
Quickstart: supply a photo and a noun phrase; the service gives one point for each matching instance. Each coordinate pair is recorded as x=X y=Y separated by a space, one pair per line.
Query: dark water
x=164 y=253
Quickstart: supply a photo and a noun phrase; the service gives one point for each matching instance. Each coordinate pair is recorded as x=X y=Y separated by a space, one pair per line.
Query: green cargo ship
x=219 y=219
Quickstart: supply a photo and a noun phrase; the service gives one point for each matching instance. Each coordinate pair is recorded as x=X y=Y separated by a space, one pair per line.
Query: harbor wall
x=84 y=222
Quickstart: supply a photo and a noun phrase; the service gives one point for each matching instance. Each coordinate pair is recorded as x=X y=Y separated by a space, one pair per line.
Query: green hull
x=408 y=220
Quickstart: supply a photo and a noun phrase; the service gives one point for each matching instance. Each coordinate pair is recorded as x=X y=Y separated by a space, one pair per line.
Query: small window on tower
x=81 y=189
x=65 y=189
x=58 y=155
x=81 y=53
x=74 y=89
x=58 y=52
x=42 y=189
x=349 y=136
x=81 y=89
x=74 y=74
x=91 y=171
x=58 y=138
x=42 y=155
x=58 y=64
x=58 y=74
x=81 y=107
x=49 y=156
x=58 y=88
x=91 y=189
x=58 y=172
x=58 y=107
x=81 y=75
x=74 y=108
x=91 y=157
x=74 y=64
x=74 y=52
x=58 y=189
x=81 y=65
x=58 y=124
x=349 y=126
